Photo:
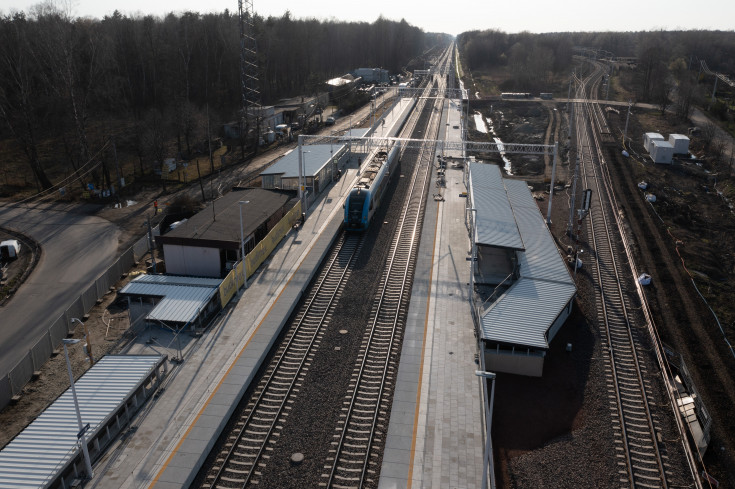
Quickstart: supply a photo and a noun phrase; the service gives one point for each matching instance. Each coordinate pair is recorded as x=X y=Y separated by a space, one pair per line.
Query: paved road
x=76 y=249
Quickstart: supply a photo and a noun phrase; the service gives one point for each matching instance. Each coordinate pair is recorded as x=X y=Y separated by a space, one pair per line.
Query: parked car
x=329 y=121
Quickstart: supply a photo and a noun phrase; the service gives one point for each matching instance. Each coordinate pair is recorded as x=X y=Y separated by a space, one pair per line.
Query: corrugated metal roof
x=496 y=225
x=34 y=457
x=181 y=302
x=315 y=157
x=523 y=315
x=541 y=260
x=178 y=280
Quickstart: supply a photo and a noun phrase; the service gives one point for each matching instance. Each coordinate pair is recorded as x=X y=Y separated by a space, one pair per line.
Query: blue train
x=364 y=198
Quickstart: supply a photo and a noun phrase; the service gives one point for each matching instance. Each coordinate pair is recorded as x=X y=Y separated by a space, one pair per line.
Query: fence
x=12 y=384
x=264 y=248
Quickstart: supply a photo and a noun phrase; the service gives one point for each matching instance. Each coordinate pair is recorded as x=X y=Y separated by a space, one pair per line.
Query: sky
x=455 y=17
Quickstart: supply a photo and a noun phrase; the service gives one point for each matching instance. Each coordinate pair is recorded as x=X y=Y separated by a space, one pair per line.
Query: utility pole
x=714 y=89
x=627 y=118
x=150 y=245
x=117 y=168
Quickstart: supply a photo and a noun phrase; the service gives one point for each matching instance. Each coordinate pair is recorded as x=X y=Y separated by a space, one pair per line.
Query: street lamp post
x=242 y=242
x=473 y=254
x=488 y=441
x=88 y=347
x=302 y=178
x=350 y=134
x=551 y=187
x=82 y=430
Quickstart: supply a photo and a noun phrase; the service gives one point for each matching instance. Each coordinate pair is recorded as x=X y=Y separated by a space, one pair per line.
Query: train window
x=356 y=202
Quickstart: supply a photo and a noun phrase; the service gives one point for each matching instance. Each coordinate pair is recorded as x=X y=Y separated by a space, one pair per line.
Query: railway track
x=643 y=455
x=251 y=451
x=353 y=461
x=246 y=450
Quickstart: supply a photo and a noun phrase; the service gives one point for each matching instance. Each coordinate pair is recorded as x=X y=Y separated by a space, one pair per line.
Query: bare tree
x=21 y=100
x=155 y=141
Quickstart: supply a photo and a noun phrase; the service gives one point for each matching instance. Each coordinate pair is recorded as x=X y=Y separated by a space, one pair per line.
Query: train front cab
x=356 y=212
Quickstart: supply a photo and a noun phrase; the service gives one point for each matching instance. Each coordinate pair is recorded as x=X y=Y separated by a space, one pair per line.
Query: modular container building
x=662 y=152
x=648 y=139
x=680 y=143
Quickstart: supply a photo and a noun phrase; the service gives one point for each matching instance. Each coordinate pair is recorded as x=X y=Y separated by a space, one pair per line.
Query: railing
x=12 y=383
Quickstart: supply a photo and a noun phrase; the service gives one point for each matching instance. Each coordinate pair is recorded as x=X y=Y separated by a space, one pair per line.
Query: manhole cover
x=297 y=457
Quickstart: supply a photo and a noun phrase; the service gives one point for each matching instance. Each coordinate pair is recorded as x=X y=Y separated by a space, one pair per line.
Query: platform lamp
x=302 y=178
x=242 y=242
x=82 y=428
x=488 y=440
x=88 y=346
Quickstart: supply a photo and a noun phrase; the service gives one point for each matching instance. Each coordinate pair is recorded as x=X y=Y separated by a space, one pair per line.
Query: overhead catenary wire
x=74 y=177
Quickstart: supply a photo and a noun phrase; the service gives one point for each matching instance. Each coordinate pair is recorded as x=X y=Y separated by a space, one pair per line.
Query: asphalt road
x=76 y=249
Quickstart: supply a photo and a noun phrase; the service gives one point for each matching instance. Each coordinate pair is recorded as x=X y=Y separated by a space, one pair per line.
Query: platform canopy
x=36 y=457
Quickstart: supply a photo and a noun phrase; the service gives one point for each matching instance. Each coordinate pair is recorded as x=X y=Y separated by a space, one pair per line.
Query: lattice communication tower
x=249 y=68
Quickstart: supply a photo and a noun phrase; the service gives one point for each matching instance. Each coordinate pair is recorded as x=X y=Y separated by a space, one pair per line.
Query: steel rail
x=329 y=285
x=636 y=421
x=349 y=469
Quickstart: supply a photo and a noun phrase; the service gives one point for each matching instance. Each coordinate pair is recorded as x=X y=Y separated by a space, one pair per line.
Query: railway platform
x=171 y=438
x=436 y=431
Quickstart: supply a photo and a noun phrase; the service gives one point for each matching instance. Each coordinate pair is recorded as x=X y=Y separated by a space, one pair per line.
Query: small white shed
x=680 y=143
x=649 y=138
x=661 y=151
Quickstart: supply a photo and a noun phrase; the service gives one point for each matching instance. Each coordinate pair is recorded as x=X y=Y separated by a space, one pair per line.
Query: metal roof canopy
x=182 y=297
x=525 y=312
x=315 y=159
x=523 y=315
x=495 y=224
x=43 y=451
x=541 y=259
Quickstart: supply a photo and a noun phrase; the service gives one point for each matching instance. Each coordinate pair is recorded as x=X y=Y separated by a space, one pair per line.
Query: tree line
x=155 y=85
x=667 y=71
x=531 y=59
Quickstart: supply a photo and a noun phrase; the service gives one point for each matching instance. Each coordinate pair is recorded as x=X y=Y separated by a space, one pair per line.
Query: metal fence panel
x=6 y=393
x=127 y=260
x=58 y=331
x=21 y=374
x=75 y=310
x=102 y=285
x=140 y=248
x=89 y=298
x=41 y=351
